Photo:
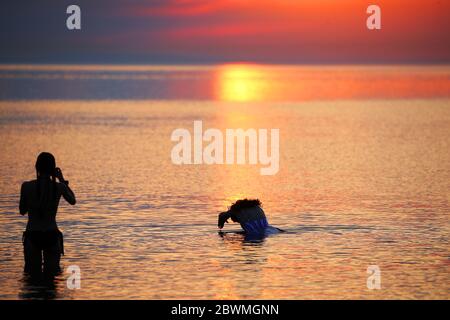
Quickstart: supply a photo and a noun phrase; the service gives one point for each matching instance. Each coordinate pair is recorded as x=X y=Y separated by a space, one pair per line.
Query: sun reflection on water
x=242 y=82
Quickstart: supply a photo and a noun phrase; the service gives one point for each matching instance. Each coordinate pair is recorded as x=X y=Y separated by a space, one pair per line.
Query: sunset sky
x=204 y=31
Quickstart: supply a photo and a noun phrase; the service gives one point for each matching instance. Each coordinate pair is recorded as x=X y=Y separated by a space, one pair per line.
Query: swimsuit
x=44 y=239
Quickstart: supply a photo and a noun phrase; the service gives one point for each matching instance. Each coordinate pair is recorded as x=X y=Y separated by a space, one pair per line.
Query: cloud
x=320 y=31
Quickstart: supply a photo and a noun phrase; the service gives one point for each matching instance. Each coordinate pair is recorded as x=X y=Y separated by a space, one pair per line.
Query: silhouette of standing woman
x=42 y=240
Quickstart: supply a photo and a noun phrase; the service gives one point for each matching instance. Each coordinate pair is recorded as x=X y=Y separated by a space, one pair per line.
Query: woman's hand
x=59 y=175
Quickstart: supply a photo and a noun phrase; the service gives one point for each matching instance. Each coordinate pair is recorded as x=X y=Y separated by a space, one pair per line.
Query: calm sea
x=364 y=180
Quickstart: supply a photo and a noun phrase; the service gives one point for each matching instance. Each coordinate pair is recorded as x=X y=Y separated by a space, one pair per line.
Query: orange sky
x=316 y=30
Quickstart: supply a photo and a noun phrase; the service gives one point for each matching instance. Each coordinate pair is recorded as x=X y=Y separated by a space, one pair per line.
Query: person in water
x=250 y=215
x=42 y=239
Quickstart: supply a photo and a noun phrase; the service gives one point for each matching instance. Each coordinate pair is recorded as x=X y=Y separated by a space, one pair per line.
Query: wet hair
x=45 y=167
x=244 y=204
